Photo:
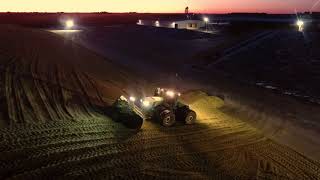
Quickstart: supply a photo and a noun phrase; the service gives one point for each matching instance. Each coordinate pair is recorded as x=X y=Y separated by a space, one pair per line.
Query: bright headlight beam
x=132 y=99
x=146 y=103
x=170 y=93
x=123 y=98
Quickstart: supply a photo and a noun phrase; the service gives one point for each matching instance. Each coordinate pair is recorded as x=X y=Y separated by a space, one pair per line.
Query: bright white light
x=300 y=23
x=140 y=22
x=206 y=19
x=123 y=98
x=132 y=99
x=146 y=103
x=179 y=94
x=157 y=23
x=69 y=24
x=173 y=24
x=170 y=93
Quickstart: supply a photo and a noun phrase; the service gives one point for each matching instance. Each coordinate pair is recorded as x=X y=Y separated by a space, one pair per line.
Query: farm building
x=178 y=24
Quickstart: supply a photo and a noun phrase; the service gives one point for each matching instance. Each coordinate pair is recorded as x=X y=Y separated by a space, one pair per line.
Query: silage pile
x=47 y=78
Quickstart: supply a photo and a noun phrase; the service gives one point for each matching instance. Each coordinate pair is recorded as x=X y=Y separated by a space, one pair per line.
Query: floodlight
x=146 y=103
x=69 y=24
x=300 y=23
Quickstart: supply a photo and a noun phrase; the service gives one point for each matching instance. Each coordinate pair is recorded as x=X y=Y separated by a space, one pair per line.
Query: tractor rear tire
x=191 y=117
x=167 y=118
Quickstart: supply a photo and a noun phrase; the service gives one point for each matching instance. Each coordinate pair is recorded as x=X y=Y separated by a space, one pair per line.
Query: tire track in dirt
x=91 y=156
x=154 y=149
x=37 y=93
x=38 y=141
x=57 y=139
x=10 y=96
x=70 y=139
x=54 y=132
x=295 y=163
x=197 y=137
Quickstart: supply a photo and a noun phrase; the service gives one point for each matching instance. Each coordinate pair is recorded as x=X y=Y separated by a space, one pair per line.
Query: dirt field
x=217 y=147
x=287 y=61
x=53 y=126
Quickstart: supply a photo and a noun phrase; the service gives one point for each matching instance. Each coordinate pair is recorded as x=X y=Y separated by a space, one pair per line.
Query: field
x=288 y=62
x=55 y=89
x=218 y=147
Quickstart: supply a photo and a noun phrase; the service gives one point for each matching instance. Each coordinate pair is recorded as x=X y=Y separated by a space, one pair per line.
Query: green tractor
x=164 y=107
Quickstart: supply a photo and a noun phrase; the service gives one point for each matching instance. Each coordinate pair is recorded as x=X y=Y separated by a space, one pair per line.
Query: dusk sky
x=197 y=6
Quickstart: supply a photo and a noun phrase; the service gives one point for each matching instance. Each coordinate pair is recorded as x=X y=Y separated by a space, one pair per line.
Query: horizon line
x=133 y=12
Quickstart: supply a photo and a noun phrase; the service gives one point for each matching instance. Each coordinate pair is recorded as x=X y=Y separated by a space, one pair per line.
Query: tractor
x=164 y=107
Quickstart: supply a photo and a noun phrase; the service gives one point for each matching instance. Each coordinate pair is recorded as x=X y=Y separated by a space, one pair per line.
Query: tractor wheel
x=191 y=117
x=167 y=118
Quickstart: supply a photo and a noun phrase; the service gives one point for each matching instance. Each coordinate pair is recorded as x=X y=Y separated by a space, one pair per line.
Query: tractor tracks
x=91 y=150
x=53 y=130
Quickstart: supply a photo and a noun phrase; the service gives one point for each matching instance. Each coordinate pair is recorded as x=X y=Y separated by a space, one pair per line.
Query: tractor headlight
x=170 y=94
x=123 y=98
x=132 y=99
x=146 y=104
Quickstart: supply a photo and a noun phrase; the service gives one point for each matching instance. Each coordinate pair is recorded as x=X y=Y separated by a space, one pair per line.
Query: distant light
x=173 y=24
x=206 y=19
x=170 y=94
x=132 y=99
x=69 y=24
x=300 y=23
x=157 y=23
x=139 y=22
x=179 y=94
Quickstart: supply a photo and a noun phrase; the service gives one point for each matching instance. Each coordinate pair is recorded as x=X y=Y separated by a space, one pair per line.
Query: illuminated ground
x=218 y=146
x=53 y=126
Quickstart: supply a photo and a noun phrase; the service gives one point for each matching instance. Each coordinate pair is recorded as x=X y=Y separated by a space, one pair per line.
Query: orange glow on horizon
x=159 y=6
